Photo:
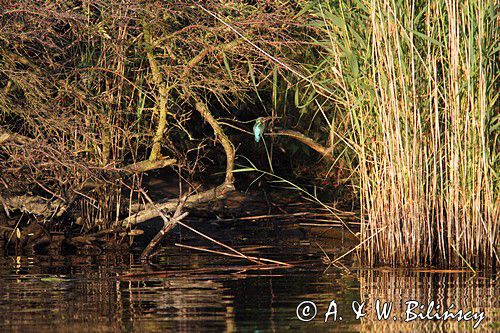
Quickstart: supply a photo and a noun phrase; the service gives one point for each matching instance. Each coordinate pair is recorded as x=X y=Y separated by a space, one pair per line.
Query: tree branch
x=148 y=165
x=6 y=136
x=326 y=152
x=152 y=210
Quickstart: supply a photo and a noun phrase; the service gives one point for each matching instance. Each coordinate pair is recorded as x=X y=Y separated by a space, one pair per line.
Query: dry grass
x=415 y=101
x=404 y=92
x=98 y=85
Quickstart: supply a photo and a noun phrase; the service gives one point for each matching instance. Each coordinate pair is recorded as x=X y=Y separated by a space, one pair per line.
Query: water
x=184 y=290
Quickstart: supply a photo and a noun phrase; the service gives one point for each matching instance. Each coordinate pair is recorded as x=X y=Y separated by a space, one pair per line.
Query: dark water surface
x=184 y=290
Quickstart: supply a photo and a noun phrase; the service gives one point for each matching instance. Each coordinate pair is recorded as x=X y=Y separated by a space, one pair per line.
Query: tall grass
x=414 y=84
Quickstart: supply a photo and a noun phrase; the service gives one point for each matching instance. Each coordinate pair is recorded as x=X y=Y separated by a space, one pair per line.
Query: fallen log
x=35 y=205
x=94 y=237
x=153 y=210
x=38 y=205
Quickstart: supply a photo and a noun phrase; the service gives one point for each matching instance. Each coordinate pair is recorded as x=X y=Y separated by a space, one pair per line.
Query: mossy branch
x=324 y=151
x=162 y=93
x=148 y=165
x=202 y=108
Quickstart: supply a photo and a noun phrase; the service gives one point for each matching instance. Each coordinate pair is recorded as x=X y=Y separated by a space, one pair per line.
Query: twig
x=169 y=223
x=241 y=255
x=357 y=246
x=232 y=255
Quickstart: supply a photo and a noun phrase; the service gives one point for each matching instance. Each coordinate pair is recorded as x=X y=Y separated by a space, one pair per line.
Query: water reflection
x=193 y=292
x=449 y=290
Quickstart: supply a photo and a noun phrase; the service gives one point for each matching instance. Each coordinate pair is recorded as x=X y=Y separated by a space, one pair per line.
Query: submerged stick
x=241 y=255
x=176 y=219
x=204 y=270
x=169 y=224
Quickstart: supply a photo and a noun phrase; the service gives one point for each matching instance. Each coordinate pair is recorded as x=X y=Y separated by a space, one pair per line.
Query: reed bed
x=428 y=174
x=411 y=86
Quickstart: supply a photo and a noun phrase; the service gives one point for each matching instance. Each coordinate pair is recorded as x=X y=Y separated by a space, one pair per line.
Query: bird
x=259 y=127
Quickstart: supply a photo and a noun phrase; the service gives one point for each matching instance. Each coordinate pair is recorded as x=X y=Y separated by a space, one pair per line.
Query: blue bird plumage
x=258 y=128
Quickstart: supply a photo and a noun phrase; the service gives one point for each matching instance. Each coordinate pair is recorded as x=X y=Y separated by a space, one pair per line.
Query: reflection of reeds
x=462 y=290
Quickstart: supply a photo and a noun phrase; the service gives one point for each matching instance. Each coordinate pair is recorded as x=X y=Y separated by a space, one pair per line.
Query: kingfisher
x=259 y=127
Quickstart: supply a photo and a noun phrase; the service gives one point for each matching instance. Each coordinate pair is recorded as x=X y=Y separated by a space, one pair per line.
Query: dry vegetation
x=95 y=90
x=416 y=90
x=400 y=97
